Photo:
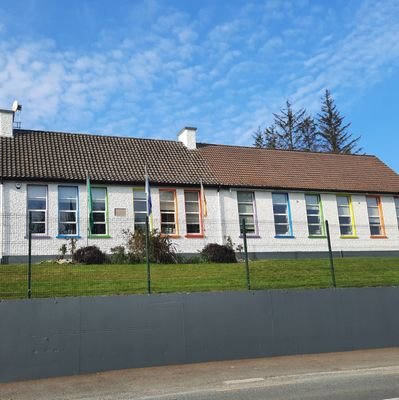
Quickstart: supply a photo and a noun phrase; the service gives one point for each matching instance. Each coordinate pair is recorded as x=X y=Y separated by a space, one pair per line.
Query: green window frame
x=314 y=214
x=99 y=196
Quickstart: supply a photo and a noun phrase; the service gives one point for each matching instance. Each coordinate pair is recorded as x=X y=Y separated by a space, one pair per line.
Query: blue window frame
x=282 y=215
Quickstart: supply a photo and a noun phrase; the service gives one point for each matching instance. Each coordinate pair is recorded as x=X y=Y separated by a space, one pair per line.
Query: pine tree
x=334 y=134
x=287 y=125
x=309 y=136
x=258 y=138
x=267 y=139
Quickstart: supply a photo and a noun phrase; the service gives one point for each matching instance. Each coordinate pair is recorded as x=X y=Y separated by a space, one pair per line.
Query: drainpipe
x=220 y=216
x=1 y=221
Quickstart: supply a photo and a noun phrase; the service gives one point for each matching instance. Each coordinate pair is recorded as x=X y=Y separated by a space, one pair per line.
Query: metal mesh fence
x=295 y=259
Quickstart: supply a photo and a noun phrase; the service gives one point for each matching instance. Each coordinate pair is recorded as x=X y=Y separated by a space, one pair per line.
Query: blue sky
x=148 y=68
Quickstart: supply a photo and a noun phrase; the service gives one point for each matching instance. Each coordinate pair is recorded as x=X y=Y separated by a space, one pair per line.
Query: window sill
x=284 y=237
x=250 y=237
x=38 y=237
x=317 y=237
x=99 y=237
x=171 y=236
x=193 y=236
x=349 y=237
x=378 y=237
x=68 y=237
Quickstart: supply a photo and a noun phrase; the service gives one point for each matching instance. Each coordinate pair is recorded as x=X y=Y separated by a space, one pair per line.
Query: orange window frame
x=176 y=234
x=201 y=220
x=381 y=215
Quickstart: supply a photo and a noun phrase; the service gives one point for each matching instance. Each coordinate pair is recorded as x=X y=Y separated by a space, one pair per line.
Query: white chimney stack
x=188 y=136
x=6 y=123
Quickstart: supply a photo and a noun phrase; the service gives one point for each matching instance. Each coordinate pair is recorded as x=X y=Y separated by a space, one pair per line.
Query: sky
x=149 y=68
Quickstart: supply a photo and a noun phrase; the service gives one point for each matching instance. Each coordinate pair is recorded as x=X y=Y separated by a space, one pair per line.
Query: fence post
x=244 y=235
x=30 y=255
x=147 y=250
x=330 y=254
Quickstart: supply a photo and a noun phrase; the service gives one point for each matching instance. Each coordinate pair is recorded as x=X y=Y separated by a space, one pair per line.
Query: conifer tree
x=287 y=124
x=333 y=132
x=309 y=136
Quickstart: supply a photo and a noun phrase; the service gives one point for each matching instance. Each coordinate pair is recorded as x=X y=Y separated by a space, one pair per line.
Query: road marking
x=394 y=398
x=238 y=381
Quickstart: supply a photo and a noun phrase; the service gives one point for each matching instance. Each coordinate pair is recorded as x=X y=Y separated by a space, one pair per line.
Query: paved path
x=359 y=375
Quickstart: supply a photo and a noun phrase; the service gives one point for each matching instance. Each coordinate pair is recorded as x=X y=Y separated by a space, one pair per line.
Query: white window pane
x=245 y=209
x=166 y=196
x=280 y=209
x=342 y=201
x=346 y=230
x=192 y=219
x=282 y=229
x=98 y=193
x=374 y=212
x=192 y=207
x=98 y=205
x=245 y=197
x=343 y=210
x=279 y=198
x=37 y=191
x=312 y=199
x=140 y=205
x=37 y=204
x=372 y=202
x=167 y=206
x=68 y=192
x=191 y=196
x=139 y=194
x=315 y=230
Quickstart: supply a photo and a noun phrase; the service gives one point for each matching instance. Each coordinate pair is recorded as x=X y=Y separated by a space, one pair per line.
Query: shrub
x=118 y=255
x=89 y=255
x=217 y=253
x=161 y=248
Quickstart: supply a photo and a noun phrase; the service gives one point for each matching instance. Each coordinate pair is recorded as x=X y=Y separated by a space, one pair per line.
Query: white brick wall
x=221 y=222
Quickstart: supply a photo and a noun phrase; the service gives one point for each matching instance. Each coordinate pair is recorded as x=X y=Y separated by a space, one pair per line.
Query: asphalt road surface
x=359 y=375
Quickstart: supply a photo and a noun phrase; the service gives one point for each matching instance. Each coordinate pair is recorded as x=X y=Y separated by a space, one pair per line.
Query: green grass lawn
x=50 y=280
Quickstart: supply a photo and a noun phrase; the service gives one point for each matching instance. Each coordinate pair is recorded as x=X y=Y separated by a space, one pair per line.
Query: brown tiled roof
x=67 y=156
x=283 y=169
x=52 y=156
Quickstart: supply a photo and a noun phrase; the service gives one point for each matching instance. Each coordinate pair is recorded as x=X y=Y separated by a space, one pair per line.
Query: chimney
x=188 y=136
x=6 y=123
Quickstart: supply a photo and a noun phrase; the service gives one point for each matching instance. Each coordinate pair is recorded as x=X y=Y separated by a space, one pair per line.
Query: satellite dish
x=16 y=106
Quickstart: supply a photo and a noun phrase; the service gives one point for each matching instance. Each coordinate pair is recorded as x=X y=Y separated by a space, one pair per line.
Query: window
x=193 y=213
x=99 y=211
x=139 y=208
x=281 y=213
x=397 y=209
x=314 y=215
x=67 y=210
x=168 y=212
x=375 y=216
x=345 y=216
x=37 y=208
x=246 y=210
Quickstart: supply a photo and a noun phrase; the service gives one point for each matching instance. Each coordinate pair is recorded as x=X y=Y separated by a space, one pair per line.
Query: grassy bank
x=53 y=280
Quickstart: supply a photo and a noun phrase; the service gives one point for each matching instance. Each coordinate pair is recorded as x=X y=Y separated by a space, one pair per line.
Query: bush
x=161 y=248
x=217 y=253
x=89 y=255
x=118 y=255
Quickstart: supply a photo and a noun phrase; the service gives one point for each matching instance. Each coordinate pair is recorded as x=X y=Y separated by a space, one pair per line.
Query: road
x=358 y=375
